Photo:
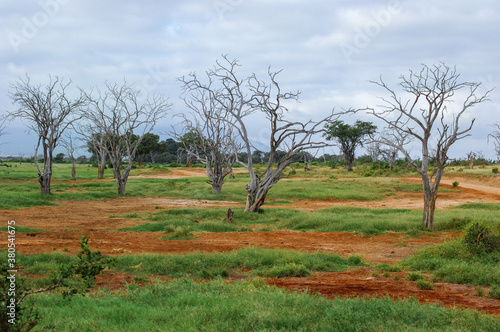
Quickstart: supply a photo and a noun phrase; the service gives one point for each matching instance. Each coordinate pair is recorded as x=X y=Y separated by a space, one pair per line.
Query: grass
x=185 y=305
x=349 y=219
x=452 y=262
x=249 y=261
x=21 y=189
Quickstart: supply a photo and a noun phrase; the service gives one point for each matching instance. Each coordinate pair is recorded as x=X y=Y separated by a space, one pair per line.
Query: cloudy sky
x=329 y=50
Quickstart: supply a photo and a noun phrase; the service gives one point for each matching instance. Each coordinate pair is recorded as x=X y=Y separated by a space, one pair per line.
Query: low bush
x=481 y=238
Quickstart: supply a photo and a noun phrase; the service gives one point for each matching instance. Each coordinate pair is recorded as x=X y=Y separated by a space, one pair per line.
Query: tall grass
x=250 y=261
x=185 y=305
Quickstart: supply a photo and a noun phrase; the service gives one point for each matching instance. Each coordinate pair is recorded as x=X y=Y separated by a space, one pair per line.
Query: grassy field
x=201 y=296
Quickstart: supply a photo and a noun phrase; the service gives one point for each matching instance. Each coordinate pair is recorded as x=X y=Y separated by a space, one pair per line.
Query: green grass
x=185 y=305
x=452 y=262
x=249 y=261
x=349 y=219
x=21 y=188
x=20 y=229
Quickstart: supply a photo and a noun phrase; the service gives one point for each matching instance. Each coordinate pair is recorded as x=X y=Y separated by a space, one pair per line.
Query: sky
x=328 y=50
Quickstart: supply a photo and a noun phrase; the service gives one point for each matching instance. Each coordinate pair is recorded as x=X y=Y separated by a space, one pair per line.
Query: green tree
x=149 y=148
x=59 y=158
x=349 y=137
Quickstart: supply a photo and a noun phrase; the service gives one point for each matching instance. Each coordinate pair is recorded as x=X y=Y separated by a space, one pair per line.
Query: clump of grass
x=414 y=276
x=494 y=292
x=424 y=285
x=388 y=268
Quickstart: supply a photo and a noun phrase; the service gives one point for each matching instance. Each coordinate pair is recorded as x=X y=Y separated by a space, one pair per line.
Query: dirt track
x=67 y=222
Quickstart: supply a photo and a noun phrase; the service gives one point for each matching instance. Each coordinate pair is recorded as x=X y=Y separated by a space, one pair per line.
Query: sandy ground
x=68 y=221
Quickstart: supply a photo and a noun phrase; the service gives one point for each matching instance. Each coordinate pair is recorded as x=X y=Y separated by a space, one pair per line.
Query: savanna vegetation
x=228 y=290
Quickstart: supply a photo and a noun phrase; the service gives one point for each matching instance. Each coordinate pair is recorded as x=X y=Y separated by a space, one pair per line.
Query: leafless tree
x=421 y=112
x=389 y=153
x=49 y=111
x=471 y=157
x=67 y=142
x=94 y=139
x=495 y=137
x=116 y=114
x=238 y=99
x=208 y=135
x=373 y=149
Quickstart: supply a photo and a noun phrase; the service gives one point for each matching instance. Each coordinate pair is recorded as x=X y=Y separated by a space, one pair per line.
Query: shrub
x=495 y=170
x=455 y=184
x=481 y=238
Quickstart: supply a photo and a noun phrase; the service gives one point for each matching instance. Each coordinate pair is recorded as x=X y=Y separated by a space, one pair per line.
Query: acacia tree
x=237 y=99
x=348 y=137
x=421 y=112
x=49 y=111
x=209 y=134
x=116 y=115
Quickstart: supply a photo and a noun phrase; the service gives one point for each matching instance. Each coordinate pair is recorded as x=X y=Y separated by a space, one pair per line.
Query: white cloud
x=152 y=43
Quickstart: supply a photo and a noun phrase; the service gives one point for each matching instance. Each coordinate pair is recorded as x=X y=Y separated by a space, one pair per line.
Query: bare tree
x=421 y=112
x=67 y=142
x=389 y=153
x=238 y=99
x=495 y=137
x=209 y=135
x=49 y=111
x=471 y=158
x=373 y=149
x=116 y=115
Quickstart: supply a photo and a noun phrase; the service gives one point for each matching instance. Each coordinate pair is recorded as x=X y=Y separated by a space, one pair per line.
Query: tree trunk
x=122 y=182
x=73 y=170
x=256 y=195
x=254 y=201
x=44 y=180
x=348 y=165
x=429 y=207
x=102 y=167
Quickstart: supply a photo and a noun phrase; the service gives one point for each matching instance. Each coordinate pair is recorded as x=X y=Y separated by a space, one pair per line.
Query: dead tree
x=209 y=135
x=238 y=99
x=116 y=115
x=421 y=112
x=471 y=158
x=49 y=111
x=67 y=142
x=495 y=137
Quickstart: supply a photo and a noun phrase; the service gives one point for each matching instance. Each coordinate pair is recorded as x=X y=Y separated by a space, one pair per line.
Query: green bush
x=481 y=238
x=495 y=170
